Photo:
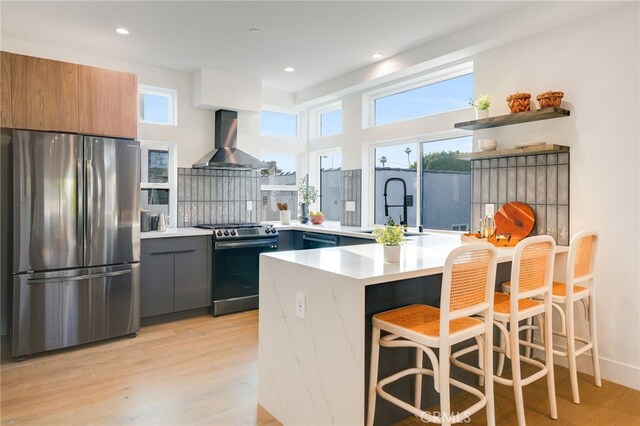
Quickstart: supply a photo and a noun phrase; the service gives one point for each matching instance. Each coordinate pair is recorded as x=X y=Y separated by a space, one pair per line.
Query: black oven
x=236 y=262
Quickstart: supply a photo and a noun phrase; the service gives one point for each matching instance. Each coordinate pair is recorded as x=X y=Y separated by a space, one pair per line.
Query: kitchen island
x=315 y=325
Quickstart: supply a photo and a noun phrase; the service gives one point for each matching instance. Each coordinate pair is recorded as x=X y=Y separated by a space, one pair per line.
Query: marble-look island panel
x=313 y=370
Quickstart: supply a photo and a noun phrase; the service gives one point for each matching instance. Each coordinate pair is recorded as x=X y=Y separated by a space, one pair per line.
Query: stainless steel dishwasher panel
x=53 y=310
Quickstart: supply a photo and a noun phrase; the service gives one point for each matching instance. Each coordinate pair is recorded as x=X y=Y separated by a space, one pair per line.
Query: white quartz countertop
x=424 y=255
x=176 y=232
x=329 y=227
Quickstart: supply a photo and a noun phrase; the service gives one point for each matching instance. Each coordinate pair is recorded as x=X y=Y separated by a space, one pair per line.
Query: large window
x=446 y=185
x=331 y=184
x=278 y=124
x=158 y=105
x=447 y=95
x=434 y=193
x=278 y=184
x=395 y=183
x=158 y=192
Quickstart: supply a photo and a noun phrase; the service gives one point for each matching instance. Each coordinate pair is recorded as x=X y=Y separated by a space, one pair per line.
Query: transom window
x=331 y=122
x=158 y=105
x=281 y=124
x=438 y=92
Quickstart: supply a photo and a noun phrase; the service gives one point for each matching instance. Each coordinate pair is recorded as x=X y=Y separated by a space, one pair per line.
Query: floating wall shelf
x=517 y=118
x=514 y=152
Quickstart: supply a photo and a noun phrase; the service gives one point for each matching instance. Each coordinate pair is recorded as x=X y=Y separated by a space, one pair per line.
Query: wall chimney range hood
x=226 y=155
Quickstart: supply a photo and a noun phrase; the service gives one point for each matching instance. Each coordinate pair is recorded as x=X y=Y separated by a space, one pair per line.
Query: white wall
x=595 y=63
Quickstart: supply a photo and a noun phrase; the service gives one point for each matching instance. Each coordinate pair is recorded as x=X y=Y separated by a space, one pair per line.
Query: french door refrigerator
x=76 y=240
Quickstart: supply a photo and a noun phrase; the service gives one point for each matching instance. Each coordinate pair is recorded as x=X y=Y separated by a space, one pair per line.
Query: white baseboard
x=611 y=370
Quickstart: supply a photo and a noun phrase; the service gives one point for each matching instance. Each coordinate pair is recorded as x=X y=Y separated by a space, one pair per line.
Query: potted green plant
x=309 y=195
x=391 y=236
x=481 y=105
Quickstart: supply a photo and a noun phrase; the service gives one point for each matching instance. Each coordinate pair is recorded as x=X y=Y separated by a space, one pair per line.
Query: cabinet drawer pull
x=162 y=252
x=185 y=251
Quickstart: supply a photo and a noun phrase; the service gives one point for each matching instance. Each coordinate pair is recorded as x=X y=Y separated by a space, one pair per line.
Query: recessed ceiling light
x=377 y=55
x=122 y=31
x=255 y=31
x=289 y=69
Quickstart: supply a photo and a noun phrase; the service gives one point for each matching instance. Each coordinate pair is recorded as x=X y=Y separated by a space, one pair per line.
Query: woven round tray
x=519 y=102
x=550 y=99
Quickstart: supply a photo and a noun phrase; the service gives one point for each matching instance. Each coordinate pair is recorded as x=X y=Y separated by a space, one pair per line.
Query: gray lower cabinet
x=175 y=274
x=354 y=241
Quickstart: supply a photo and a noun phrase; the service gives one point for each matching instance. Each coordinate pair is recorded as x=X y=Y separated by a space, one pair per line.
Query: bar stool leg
x=528 y=337
x=488 y=377
x=373 y=374
x=445 y=404
x=548 y=355
x=571 y=353
x=514 y=336
x=417 y=402
x=501 y=355
x=594 y=340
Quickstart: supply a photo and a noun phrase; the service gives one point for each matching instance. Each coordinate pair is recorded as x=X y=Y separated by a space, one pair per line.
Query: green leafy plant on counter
x=390 y=234
x=308 y=193
x=482 y=103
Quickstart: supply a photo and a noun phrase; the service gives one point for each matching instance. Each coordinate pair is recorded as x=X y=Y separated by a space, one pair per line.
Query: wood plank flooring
x=203 y=371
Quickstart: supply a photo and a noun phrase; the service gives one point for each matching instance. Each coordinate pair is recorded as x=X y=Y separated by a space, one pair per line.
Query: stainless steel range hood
x=226 y=155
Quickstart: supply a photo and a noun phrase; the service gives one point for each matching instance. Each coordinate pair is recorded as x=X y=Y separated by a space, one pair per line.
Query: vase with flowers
x=309 y=195
x=391 y=236
x=481 y=105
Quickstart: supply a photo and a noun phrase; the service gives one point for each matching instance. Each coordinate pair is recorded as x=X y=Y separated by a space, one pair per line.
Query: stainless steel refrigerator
x=76 y=240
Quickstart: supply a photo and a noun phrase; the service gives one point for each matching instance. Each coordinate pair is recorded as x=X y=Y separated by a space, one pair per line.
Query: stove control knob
x=268 y=230
x=219 y=233
x=233 y=232
x=226 y=233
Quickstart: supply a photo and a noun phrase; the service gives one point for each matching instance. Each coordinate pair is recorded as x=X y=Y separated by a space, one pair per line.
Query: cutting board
x=515 y=219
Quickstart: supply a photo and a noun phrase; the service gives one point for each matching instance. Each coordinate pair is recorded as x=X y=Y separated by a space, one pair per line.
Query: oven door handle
x=226 y=245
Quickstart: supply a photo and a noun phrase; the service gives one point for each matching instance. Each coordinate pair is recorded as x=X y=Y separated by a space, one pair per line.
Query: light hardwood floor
x=203 y=371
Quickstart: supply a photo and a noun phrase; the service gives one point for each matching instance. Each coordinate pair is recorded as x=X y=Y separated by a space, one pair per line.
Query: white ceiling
x=321 y=40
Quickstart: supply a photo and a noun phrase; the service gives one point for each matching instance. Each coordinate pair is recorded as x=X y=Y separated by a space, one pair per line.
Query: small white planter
x=285 y=217
x=392 y=253
x=482 y=113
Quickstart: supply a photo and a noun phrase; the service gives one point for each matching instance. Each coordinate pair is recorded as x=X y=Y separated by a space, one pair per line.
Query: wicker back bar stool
x=579 y=286
x=531 y=277
x=468 y=283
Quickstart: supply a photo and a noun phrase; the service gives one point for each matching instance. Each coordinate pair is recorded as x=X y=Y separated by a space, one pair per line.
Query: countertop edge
x=176 y=232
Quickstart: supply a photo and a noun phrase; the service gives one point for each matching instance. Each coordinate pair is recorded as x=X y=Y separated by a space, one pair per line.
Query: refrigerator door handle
x=88 y=200
x=78 y=277
x=80 y=196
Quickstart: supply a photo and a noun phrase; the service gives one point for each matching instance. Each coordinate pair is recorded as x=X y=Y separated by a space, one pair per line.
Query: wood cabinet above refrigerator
x=107 y=102
x=42 y=94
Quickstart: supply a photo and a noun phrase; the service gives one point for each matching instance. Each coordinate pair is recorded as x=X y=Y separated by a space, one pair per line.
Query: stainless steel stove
x=236 y=264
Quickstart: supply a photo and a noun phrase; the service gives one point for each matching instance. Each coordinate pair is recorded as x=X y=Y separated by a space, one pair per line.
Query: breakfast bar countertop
x=422 y=255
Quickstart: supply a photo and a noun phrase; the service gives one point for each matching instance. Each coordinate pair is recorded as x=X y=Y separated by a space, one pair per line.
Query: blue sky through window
x=278 y=124
x=155 y=108
x=331 y=122
x=284 y=162
x=447 y=95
